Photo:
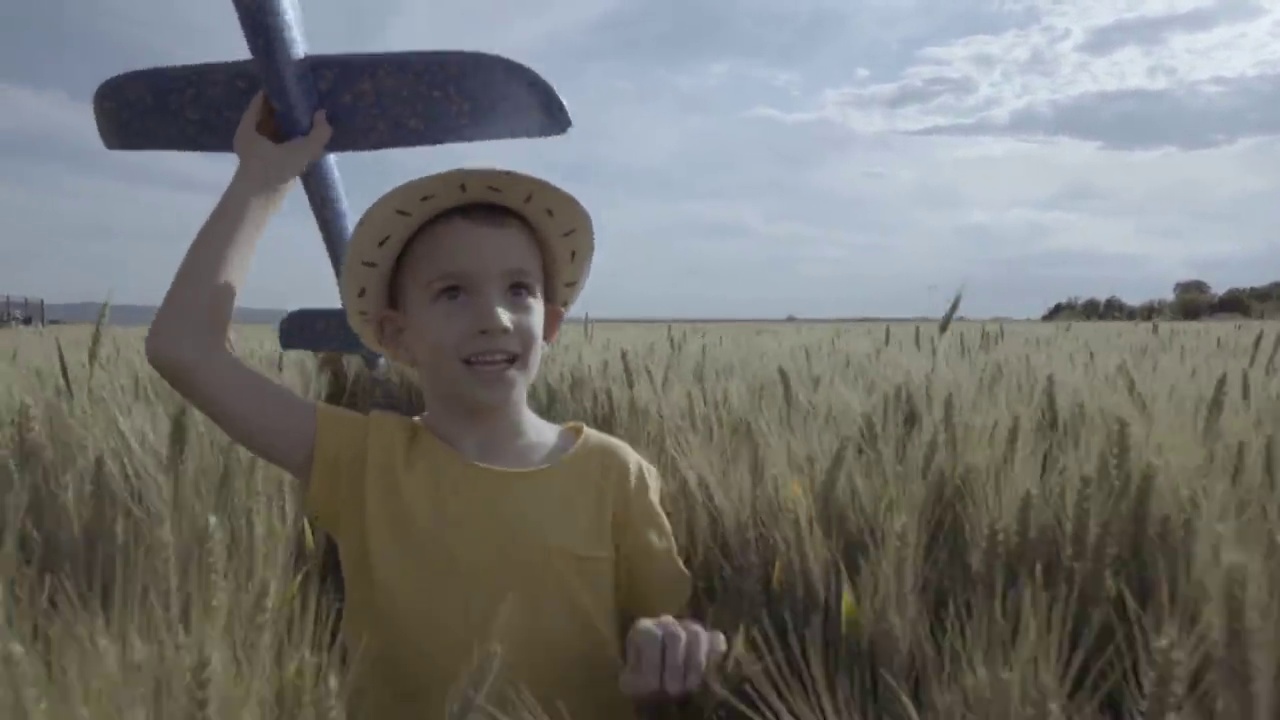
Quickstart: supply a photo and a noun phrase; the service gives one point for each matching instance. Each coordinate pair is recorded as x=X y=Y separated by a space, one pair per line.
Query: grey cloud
x=822 y=41
x=1077 y=196
x=1154 y=30
x=925 y=91
x=809 y=34
x=1209 y=114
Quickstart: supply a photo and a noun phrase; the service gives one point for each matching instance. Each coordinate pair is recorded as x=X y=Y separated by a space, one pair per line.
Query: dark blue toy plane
x=374 y=101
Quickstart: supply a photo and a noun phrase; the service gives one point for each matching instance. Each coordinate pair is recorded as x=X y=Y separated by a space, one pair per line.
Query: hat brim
x=562 y=225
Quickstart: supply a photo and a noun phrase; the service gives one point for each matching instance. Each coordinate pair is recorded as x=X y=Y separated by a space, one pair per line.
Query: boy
x=477 y=521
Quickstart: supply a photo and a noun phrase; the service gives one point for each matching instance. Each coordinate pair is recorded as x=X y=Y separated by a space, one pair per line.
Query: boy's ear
x=552 y=319
x=391 y=326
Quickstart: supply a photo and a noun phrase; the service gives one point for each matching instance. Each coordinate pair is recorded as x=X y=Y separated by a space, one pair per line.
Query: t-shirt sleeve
x=653 y=581
x=337 y=465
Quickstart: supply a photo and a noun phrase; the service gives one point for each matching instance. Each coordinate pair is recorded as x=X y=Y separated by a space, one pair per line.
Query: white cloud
x=824 y=158
x=1137 y=74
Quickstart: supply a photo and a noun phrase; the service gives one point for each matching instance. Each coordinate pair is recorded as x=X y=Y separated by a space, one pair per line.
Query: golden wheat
x=891 y=521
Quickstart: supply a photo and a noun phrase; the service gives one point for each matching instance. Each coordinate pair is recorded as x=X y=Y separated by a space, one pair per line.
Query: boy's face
x=471 y=317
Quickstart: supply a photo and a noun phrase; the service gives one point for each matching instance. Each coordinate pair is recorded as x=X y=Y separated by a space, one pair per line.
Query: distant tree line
x=1192 y=300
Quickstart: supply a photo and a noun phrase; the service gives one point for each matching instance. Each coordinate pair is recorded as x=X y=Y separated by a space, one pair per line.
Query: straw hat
x=561 y=223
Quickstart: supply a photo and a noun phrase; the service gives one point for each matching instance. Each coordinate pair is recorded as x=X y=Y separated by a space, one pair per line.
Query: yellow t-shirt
x=441 y=557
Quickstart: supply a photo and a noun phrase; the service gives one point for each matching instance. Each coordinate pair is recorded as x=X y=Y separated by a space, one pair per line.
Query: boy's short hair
x=479 y=213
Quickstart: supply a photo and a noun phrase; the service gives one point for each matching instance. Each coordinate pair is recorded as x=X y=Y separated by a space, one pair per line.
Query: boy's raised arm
x=187 y=342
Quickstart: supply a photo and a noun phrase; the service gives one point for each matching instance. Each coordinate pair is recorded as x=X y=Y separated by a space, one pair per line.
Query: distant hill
x=141 y=315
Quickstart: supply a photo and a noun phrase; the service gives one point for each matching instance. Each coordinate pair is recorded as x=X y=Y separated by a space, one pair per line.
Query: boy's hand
x=264 y=162
x=669 y=656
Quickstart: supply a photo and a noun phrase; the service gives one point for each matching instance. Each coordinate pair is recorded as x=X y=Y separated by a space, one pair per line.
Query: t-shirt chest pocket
x=577 y=562
x=573 y=536
x=572 y=546
x=560 y=521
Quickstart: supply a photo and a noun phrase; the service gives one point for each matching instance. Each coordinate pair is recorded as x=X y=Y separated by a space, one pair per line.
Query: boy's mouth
x=490 y=360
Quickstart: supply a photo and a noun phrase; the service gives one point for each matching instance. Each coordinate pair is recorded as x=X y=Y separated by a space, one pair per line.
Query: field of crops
x=994 y=522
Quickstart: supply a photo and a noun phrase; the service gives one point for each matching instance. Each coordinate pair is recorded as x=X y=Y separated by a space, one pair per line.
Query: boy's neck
x=504 y=437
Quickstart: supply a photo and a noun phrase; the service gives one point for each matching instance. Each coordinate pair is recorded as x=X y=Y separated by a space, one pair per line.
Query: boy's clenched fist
x=669 y=657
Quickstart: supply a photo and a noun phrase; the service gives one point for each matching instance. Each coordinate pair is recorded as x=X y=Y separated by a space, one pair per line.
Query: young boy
x=478 y=521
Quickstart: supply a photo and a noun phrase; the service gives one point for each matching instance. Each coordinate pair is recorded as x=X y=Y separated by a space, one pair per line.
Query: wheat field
x=991 y=521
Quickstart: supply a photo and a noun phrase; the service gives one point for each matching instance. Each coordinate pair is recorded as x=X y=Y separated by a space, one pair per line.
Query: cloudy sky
x=741 y=157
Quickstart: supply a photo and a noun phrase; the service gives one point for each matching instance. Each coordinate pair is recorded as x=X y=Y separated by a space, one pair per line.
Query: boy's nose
x=496 y=321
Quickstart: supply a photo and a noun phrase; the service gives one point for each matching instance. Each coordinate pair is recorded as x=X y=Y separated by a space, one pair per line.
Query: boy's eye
x=452 y=292
x=521 y=289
